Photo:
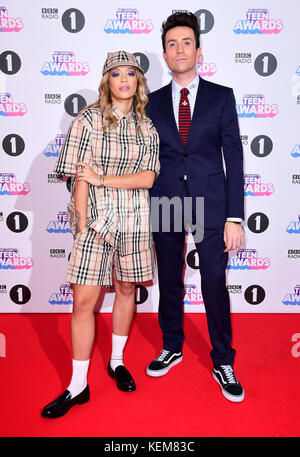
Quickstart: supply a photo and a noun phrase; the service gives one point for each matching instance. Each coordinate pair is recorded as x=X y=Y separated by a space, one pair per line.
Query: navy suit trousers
x=170 y=253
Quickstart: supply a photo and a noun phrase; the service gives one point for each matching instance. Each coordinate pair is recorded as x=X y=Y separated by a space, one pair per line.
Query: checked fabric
x=184 y=117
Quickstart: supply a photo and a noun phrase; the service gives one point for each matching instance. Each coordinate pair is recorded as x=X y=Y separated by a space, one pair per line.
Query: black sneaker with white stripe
x=162 y=364
x=231 y=388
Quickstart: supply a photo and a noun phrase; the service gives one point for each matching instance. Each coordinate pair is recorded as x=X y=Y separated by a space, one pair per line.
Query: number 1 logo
x=73 y=20
x=20 y=294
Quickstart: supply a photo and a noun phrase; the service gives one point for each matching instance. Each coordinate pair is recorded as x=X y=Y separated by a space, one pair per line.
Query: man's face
x=181 y=54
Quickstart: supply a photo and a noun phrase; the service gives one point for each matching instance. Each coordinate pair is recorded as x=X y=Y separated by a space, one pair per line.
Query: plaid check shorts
x=95 y=262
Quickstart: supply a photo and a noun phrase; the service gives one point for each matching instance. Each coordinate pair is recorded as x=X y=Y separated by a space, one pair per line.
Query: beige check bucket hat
x=116 y=59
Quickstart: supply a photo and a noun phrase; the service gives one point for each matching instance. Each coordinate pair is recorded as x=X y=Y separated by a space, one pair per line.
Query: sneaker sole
x=233 y=398
x=157 y=373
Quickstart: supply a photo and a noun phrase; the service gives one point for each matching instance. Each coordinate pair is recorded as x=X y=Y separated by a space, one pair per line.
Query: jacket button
x=185 y=155
x=181 y=178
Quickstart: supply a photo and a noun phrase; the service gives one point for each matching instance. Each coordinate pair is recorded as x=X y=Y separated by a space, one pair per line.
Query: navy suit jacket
x=214 y=129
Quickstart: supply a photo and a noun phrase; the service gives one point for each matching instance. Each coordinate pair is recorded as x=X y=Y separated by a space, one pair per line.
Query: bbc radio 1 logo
x=10 y=108
x=54 y=147
x=142 y=60
x=205 y=18
x=192 y=295
x=294 y=226
x=258 y=21
x=13 y=145
x=55 y=178
x=292 y=298
x=258 y=222
x=248 y=259
x=265 y=63
x=65 y=63
x=10 y=62
x=295 y=178
x=20 y=294
x=57 y=253
x=73 y=104
x=141 y=294
x=49 y=13
x=63 y=297
x=255 y=187
x=261 y=146
x=9 y=24
x=293 y=254
x=128 y=20
x=234 y=289
x=73 y=20
x=296 y=151
x=53 y=99
x=17 y=222
x=255 y=294
x=11 y=259
x=254 y=105
x=9 y=185
x=61 y=225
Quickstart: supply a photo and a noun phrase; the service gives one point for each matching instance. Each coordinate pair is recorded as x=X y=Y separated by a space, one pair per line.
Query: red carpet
x=185 y=403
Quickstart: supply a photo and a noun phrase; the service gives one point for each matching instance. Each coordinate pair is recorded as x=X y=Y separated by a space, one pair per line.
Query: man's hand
x=233 y=236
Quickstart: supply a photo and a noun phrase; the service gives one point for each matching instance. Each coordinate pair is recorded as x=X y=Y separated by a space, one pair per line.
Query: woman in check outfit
x=111 y=154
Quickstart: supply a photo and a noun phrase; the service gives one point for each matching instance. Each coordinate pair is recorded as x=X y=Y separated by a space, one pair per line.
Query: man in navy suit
x=198 y=129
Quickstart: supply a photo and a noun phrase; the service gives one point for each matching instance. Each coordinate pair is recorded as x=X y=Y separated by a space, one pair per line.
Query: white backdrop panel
x=51 y=55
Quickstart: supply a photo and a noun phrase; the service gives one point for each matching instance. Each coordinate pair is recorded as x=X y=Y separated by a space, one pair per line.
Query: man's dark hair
x=180 y=19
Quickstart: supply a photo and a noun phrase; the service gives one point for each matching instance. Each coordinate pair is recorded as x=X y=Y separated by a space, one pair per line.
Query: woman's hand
x=85 y=173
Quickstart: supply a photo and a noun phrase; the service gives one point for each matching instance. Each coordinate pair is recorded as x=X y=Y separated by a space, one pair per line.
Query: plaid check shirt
x=120 y=216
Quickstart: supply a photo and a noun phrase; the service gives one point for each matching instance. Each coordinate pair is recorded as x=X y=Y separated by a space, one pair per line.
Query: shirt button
x=185 y=155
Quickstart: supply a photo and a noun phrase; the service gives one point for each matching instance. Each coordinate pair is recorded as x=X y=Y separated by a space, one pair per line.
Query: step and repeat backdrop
x=51 y=57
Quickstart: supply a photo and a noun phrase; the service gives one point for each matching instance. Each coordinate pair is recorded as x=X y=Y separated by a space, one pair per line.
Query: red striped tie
x=184 y=117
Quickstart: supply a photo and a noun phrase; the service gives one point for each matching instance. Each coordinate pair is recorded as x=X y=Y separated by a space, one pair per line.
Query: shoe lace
x=164 y=353
x=229 y=373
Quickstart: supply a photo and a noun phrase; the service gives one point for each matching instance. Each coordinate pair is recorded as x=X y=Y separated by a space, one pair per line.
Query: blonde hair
x=105 y=102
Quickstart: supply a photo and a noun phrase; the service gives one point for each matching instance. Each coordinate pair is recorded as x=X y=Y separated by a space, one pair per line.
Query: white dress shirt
x=193 y=89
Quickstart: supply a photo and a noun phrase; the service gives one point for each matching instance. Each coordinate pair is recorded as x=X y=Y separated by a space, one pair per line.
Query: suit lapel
x=168 y=113
x=200 y=109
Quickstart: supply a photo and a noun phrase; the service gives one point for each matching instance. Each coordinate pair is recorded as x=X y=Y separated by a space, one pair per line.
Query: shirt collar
x=119 y=115
x=192 y=87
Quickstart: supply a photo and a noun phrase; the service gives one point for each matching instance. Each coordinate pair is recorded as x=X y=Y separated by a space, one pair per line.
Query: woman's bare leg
x=124 y=307
x=83 y=320
x=123 y=311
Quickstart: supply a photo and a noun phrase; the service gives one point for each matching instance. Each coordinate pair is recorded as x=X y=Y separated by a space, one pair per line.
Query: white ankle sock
x=118 y=344
x=79 y=376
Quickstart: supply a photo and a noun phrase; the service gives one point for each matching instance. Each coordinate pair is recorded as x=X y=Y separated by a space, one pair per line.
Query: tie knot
x=184 y=92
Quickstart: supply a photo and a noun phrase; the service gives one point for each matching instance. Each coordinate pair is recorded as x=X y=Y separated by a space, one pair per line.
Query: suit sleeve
x=77 y=148
x=233 y=157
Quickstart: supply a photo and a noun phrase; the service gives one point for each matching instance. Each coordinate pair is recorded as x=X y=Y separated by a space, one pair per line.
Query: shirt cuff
x=234 y=219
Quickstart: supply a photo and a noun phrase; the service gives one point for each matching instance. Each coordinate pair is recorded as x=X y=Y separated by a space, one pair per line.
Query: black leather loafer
x=123 y=378
x=64 y=402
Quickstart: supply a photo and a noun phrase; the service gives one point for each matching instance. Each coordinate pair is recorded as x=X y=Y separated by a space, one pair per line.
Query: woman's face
x=123 y=83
